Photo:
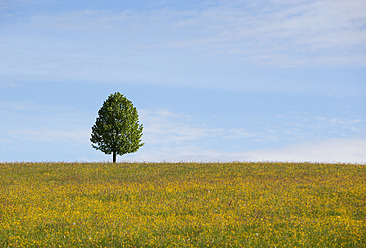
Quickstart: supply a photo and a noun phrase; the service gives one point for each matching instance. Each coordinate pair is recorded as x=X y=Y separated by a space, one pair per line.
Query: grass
x=182 y=205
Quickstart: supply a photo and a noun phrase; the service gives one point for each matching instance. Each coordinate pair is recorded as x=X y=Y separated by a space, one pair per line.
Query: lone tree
x=117 y=129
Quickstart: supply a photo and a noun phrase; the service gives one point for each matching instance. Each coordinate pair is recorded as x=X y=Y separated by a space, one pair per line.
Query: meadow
x=182 y=205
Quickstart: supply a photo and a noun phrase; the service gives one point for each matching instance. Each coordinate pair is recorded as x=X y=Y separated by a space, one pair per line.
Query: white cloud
x=95 y=45
x=292 y=33
x=321 y=32
x=28 y=121
x=329 y=151
x=17 y=105
x=178 y=154
x=33 y=107
x=6 y=84
x=165 y=128
x=332 y=150
x=50 y=135
x=172 y=137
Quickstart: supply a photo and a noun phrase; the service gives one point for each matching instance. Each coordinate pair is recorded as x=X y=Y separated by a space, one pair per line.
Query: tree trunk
x=114 y=157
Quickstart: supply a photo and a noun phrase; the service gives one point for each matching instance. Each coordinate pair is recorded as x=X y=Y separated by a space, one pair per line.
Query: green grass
x=182 y=205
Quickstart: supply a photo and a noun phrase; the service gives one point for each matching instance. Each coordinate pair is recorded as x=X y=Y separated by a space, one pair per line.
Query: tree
x=117 y=130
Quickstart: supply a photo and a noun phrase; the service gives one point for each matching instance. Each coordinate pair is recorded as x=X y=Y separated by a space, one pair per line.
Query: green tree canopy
x=117 y=130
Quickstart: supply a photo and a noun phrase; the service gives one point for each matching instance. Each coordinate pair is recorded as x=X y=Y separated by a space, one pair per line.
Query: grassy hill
x=182 y=205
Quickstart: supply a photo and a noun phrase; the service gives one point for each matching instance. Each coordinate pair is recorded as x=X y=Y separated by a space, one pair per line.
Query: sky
x=212 y=80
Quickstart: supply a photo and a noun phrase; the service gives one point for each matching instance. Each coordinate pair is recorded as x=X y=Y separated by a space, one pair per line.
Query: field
x=182 y=205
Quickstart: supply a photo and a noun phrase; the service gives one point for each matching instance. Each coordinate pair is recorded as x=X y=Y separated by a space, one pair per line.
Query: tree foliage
x=117 y=130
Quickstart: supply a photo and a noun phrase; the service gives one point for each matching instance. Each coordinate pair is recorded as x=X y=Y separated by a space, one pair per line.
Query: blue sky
x=212 y=80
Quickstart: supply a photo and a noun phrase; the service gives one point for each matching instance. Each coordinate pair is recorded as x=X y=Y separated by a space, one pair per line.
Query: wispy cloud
x=165 y=128
x=174 y=137
x=30 y=106
x=33 y=122
x=285 y=33
x=329 y=151
x=51 y=135
x=332 y=150
x=6 y=84
x=281 y=33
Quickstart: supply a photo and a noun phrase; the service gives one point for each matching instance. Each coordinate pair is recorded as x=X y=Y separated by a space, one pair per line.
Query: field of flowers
x=182 y=205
